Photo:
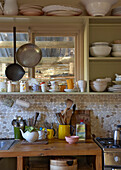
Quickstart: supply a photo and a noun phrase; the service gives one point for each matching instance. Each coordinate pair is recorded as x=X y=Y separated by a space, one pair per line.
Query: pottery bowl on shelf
x=98 y=86
x=98 y=7
x=72 y=139
x=100 y=50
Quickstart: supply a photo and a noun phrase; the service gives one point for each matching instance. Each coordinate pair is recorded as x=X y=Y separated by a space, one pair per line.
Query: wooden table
x=54 y=148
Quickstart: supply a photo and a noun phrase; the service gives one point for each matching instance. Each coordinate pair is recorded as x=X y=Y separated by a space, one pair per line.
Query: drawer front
x=112 y=159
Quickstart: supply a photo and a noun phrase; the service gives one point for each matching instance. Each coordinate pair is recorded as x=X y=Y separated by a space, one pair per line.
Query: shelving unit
x=102 y=29
x=89 y=29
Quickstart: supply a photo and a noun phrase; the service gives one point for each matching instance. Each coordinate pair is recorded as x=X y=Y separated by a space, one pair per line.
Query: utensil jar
x=63 y=130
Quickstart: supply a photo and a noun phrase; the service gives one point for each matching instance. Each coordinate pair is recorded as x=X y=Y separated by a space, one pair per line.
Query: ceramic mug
x=50 y=133
x=64 y=130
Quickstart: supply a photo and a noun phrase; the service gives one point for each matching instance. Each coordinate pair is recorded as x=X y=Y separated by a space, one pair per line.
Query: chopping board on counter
x=84 y=115
x=38 y=142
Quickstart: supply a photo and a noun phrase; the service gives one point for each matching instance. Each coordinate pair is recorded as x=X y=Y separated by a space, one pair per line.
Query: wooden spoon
x=69 y=103
x=68 y=116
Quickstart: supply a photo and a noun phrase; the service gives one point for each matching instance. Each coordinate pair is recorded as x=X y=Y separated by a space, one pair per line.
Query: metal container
x=116 y=137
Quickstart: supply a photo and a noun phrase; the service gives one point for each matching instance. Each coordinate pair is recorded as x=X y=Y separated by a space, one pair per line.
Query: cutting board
x=38 y=142
x=85 y=115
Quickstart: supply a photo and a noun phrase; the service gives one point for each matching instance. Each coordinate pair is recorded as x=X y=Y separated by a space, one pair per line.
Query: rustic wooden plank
x=45 y=60
x=41 y=44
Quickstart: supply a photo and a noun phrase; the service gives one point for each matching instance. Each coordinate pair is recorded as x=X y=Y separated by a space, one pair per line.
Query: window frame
x=69 y=30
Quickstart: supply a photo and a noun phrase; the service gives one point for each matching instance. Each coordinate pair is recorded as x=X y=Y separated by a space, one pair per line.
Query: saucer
x=70 y=90
x=54 y=90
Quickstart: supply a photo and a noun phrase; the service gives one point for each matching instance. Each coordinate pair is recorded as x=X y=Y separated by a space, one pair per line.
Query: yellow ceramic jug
x=50 y=133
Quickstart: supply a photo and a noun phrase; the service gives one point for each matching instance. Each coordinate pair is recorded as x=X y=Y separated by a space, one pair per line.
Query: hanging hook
x=29 y=32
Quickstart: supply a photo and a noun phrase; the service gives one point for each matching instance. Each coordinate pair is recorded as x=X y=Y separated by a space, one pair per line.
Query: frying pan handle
x=14 y=41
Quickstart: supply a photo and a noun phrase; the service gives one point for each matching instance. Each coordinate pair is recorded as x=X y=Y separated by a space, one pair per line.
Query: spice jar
x=15 y=86
x=23 y=86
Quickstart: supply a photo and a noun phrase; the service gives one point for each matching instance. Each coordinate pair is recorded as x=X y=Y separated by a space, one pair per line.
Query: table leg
x=19 y=163
x=99 y=162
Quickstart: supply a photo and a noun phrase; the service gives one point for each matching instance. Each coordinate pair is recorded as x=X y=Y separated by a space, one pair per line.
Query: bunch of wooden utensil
x=64 y=118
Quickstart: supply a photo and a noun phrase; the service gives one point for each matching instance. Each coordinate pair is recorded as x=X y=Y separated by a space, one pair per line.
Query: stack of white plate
x=116 y=50
x=31 y=10
x=58 y=10
x=116 y=11
x=115 y=88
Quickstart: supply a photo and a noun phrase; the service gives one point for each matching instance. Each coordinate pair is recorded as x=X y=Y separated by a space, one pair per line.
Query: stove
x=111 y=153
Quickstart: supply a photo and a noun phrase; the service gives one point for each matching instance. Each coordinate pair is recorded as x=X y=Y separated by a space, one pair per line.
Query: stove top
x=111 y=154
x=108 y=143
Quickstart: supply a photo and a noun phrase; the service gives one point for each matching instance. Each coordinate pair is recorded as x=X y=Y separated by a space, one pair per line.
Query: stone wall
x=105 y=115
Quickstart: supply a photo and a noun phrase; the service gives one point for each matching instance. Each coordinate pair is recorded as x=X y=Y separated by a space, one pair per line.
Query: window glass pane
x=58 y=55
x=7 y=51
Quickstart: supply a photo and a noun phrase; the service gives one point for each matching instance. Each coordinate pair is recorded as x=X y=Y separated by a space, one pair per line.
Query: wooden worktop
x=54 y=148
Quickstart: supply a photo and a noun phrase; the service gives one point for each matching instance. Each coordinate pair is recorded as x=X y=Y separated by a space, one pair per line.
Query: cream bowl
x=98 y=88
x=100 y=51
x=98 y=7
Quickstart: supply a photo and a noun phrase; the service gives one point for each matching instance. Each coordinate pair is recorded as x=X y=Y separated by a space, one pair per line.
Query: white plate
x=54 y=90
x=50 y=8
x=117 y=82
x=63 y=13
x=100 y=43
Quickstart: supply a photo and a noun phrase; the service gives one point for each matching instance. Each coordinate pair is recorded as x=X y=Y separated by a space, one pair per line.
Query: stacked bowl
x=100 y=49
x=98 y=86
x=116 y=49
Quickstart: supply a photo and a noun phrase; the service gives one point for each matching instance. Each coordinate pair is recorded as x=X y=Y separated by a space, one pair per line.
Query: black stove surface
x=108 y=142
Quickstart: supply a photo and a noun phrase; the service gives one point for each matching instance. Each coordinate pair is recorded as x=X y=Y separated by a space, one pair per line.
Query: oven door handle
x=115 y=169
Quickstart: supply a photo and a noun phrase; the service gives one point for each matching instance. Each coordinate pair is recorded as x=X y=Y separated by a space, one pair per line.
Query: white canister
x=23 y=86
x=9 y=86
